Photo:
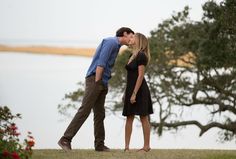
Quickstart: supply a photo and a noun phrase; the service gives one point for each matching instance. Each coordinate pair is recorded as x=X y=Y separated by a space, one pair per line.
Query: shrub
x=10 y=147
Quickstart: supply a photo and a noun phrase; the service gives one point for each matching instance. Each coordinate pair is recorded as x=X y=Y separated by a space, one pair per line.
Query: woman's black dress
x=143 y=104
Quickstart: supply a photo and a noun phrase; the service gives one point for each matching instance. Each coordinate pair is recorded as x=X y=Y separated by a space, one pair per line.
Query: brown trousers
x=94 y=98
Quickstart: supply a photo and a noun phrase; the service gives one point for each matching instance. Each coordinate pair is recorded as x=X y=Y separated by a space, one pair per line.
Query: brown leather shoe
x=64 y=144
x=104 y=148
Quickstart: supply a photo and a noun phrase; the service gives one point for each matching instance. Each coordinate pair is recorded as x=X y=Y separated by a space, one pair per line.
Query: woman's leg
x=128 y=130
x=146 y=132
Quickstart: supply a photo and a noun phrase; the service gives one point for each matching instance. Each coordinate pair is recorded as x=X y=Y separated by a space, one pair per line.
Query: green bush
x=10 y=147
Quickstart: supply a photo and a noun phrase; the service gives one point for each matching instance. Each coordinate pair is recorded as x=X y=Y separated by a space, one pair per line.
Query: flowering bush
x=10 y=148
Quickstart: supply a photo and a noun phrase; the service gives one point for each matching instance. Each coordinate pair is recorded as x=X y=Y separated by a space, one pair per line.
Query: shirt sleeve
x=142 y=59
x=105 y=53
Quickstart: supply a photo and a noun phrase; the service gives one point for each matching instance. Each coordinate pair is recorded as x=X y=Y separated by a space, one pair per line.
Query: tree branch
x=204 y=128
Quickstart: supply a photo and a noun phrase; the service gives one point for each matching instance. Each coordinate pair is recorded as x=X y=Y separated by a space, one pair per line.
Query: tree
x=196 y=68
x=193 y=66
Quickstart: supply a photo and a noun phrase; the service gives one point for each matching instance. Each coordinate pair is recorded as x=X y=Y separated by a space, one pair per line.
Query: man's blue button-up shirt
x=105 y=57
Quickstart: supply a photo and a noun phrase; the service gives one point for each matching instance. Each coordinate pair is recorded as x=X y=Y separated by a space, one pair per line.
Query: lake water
x=34 y=85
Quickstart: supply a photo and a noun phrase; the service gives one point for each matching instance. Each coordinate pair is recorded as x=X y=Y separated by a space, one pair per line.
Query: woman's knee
x=130 y=118
x=144 y=118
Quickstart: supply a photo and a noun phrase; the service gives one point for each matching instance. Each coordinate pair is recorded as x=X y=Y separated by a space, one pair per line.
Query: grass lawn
x=120 y=154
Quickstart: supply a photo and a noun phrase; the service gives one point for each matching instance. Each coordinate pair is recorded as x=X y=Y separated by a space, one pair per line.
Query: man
x=96 y=89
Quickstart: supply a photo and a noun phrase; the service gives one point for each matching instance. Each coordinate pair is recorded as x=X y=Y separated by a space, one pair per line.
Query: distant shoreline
x=184 y=61
x=88 y=52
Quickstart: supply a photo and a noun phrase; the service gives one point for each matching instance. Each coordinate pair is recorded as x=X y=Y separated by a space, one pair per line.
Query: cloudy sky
x=85 y=22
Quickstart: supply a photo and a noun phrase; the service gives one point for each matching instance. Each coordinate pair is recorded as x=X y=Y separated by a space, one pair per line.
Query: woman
x=137 y=99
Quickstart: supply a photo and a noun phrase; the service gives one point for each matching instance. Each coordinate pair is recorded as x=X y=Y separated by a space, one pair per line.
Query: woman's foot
x=126 y=150
x=144 y=149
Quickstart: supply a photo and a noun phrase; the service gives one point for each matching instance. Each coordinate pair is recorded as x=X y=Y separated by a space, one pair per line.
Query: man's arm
x=99 y=72
x=106 y=51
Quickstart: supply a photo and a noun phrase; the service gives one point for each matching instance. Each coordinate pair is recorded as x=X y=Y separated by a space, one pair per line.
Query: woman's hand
x=133 y=99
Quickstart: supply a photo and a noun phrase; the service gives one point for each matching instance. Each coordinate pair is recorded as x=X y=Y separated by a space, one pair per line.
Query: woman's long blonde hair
x=141 y=45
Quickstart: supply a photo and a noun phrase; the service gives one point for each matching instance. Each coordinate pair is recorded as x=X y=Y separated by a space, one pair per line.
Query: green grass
x=120 y=154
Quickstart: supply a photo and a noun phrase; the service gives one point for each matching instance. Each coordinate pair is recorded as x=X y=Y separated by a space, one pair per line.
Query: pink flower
x=5 y=153
x=17 y=134
x=30 y=143
x=13 y=127
x=15 y=155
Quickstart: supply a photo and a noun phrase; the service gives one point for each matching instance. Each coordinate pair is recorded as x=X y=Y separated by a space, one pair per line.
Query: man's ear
x=125 y=34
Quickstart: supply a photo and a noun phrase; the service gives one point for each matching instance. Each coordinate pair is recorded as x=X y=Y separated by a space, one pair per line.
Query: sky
x=84 y=23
